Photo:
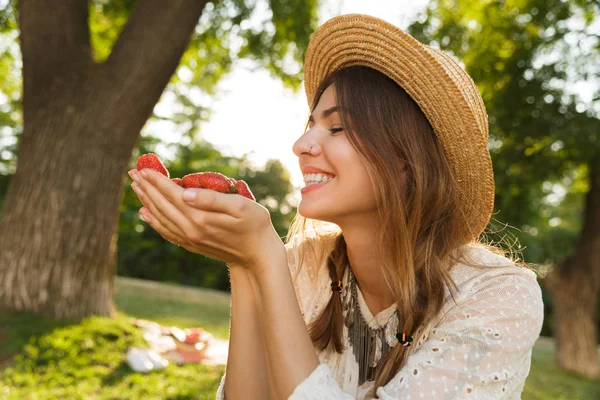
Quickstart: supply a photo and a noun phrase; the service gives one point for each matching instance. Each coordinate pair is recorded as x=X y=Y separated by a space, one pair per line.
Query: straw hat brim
x=445 y=92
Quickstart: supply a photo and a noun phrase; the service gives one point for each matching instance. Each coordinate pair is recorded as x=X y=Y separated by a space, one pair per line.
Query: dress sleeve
x=479 y=349
x=221 y=389
x=305 y=277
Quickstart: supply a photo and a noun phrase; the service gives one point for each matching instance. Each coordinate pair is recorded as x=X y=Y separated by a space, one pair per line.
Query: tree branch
x=150 y=47
x=55 y=40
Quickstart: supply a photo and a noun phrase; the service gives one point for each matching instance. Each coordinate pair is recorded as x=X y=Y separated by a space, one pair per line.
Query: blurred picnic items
x=172 y=344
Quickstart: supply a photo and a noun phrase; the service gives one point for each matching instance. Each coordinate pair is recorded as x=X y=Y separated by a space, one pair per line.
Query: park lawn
x=546 y=381
x=44 y=359
x=62 y=360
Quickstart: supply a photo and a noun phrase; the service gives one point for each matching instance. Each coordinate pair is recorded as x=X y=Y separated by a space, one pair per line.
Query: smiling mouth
x=315 y=185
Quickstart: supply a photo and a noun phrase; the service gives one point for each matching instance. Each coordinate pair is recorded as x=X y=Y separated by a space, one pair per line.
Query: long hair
x=422 y=228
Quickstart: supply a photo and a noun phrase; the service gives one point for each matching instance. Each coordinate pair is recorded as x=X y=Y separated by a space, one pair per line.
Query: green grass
x=170 y=304
x=63 y=360
x=45 y=359
x=546 y=381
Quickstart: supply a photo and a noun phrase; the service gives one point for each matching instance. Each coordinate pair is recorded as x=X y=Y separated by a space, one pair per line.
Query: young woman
x=382 y=288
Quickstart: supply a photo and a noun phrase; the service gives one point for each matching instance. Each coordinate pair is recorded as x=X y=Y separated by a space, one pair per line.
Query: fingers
x=148 y=204
x=197 y=220
x=162 y=231
x=162 y=210
x=216 y=202
x=169 y=189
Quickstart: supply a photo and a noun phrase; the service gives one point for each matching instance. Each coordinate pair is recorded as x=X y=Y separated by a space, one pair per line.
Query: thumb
x=189 y=196
x=210 y=200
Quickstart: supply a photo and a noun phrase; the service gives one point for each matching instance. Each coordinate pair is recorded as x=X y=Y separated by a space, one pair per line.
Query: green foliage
x=10 y=91
x=286 y=35
x=540 y=135
x=106 y=21
x=8 y=16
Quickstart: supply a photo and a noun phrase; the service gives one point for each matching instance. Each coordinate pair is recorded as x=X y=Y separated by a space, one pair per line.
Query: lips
x=309 y=169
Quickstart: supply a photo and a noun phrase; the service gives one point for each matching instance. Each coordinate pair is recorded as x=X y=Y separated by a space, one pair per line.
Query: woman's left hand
x=227 y=227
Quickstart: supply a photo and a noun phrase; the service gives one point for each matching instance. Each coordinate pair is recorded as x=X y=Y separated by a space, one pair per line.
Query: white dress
x=477 y=348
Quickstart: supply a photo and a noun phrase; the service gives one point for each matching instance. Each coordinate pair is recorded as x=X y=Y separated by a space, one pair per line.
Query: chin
x=315 y=212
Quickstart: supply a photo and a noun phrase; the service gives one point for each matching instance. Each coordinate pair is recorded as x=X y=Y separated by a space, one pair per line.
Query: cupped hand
x=225 y=227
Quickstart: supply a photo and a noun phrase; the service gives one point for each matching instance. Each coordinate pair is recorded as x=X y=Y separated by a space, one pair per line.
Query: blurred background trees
x=544 y=141
x=92 y=73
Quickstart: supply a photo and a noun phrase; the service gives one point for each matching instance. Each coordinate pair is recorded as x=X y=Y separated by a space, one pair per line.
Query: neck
x=362 y=254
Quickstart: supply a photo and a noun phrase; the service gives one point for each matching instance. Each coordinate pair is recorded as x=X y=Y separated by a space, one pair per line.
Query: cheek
x=355 y=187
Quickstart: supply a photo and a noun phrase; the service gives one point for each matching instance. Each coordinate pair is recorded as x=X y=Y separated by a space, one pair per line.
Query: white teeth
x=316 y=178
x=312 y=179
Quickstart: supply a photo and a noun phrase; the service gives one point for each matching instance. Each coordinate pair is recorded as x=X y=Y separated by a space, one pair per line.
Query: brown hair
x=422 y=227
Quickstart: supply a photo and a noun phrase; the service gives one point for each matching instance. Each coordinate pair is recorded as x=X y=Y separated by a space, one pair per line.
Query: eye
x=335 y=130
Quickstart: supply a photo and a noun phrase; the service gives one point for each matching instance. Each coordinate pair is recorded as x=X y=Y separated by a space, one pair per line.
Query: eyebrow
x=325 y=113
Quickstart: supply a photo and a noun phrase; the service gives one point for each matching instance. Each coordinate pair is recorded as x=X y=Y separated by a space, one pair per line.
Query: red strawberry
x=178 y=181
x=192 y=338
x=209 y=180
x=218 y=182
x=192 y=181
x=244 y=190
x=151 y=161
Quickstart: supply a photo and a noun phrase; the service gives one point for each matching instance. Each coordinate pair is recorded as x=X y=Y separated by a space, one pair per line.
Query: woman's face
x=349 y=197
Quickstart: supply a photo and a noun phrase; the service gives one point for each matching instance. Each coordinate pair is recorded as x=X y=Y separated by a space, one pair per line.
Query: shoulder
x=496 y=294
x=479 y=345
x=500 y=292
x=482 y=268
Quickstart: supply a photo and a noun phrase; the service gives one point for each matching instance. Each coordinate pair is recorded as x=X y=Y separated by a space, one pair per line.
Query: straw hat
x=444 y=91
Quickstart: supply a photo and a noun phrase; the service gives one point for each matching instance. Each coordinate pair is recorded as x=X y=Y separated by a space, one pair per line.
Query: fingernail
x=137 y=190
x=144 y=174
x=142 y=218
x=189 y=195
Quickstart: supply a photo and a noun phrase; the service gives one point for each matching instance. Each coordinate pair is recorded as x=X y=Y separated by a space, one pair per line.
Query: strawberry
x=192 y=181
x=244 y=190
x=151 y=161
x=178 y=181
x=192 y=337
x=209 y=180
x=217 y=181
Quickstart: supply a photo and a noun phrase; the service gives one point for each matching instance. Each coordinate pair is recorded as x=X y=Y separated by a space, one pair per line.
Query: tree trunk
x=59 y=220
x=574 y=286
x=60 y=216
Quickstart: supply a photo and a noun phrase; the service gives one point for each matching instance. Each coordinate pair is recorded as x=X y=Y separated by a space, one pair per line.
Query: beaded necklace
x=368 y=345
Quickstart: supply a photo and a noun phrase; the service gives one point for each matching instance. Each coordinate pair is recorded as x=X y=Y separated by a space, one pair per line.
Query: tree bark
x=574 y=285
x=59 y=220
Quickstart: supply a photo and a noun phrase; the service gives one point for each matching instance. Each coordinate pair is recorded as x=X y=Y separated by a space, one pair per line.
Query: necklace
x=368 y=345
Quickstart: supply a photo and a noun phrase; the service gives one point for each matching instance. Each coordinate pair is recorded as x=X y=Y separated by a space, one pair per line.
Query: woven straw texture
x=444 y=91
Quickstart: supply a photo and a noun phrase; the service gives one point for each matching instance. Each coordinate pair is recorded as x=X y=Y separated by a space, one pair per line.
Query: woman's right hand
x=176 y=238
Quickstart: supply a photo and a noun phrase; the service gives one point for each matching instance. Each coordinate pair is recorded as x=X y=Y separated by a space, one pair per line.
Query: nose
x=307 y=145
